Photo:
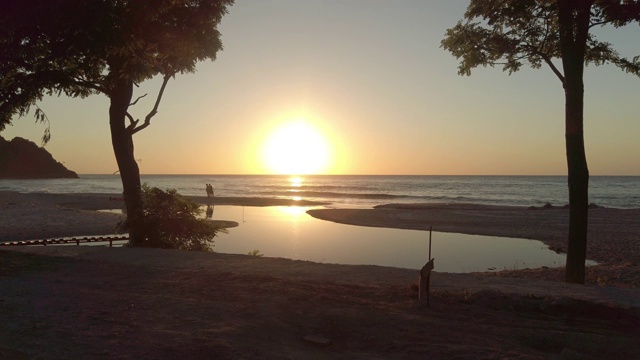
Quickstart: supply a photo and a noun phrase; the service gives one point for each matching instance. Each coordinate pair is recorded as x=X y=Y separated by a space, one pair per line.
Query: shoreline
x=612 y=238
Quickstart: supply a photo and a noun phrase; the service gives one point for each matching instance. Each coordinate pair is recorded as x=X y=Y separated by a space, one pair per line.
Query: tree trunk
x=578 y=185
x=574 y=29
x=122 y=142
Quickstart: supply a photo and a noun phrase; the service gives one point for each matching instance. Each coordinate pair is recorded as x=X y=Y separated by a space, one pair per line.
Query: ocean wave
x=318 y=188
x=328 y=194
x=364 y=190
x=375 y=196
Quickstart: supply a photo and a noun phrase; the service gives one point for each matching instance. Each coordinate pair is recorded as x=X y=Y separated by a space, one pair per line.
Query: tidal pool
x=289 y=232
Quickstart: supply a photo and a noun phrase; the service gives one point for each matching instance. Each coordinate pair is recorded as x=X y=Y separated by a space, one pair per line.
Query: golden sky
x=338 y=87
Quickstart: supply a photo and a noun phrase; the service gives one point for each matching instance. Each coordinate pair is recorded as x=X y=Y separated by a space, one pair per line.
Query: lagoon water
x=290 y=232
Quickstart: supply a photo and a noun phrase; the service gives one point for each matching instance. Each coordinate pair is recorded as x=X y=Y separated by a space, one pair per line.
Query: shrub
x=171 y=222
x=255 y=253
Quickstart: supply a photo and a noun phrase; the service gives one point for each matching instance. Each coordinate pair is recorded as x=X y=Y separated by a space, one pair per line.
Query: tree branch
x=582 y=20
x=553 y=68
x=89 y=85
x=133 y=123
x=599 y=23
x=154 y=111
x=42 y=117
x=139 y=97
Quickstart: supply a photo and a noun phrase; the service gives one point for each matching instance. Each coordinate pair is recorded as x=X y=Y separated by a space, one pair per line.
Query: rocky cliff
x=22 y=159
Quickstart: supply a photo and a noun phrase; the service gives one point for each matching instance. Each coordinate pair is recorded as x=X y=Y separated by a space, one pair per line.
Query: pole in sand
x=429 y=276
x=425 y=276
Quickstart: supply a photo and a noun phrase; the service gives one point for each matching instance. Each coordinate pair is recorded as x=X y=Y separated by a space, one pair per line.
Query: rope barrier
x=75 y=240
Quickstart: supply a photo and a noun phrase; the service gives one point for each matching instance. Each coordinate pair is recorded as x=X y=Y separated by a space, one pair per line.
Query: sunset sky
x=367 y=89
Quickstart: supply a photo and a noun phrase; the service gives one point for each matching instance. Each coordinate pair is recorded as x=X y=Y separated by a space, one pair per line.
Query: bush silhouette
x=171 y=222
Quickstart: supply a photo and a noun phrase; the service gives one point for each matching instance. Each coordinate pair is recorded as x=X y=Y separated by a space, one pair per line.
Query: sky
x=354 y=87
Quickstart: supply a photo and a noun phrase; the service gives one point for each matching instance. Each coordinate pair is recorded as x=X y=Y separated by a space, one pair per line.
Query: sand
x=43 y=216
x=123 y=303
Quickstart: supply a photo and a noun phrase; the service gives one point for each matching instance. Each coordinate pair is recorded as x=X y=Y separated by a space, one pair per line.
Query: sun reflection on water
x=295 y=181
x=293 y=212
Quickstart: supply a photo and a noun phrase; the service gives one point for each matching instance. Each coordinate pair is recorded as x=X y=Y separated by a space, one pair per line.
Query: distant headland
x=23 y=159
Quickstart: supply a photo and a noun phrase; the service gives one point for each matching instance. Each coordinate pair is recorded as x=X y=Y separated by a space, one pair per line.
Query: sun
x=296 y=148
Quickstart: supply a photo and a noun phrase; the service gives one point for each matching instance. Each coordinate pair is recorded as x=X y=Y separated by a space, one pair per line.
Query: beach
x=613 y=238
x=100 y=302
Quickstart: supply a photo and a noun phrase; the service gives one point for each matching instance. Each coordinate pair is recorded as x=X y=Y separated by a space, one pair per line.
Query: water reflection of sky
x=290 y=232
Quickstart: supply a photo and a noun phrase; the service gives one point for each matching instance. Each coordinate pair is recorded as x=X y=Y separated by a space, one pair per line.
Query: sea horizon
x=615 y=191
x=319 y=175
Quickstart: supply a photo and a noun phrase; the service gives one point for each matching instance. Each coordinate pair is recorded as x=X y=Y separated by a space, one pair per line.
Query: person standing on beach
x=208 y=188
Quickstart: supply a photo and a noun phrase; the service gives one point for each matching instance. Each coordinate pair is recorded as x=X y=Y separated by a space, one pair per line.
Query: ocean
x=364 y=190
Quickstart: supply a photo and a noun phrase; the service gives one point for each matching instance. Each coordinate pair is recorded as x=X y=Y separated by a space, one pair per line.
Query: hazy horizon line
x=303 y=175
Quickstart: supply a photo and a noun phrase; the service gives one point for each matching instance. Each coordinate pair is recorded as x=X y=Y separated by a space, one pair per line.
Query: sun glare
x=295 y=181
x=296 y=148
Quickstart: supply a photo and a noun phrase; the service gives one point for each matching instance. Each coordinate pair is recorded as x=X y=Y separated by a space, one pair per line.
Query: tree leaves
x=83 y=47
x=42 y=117
x=513 y=33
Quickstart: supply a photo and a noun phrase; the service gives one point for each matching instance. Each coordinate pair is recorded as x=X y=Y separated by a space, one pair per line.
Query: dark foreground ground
x=101 y=303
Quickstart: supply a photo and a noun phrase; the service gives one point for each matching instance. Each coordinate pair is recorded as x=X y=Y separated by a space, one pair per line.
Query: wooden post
x=429 y=276
x=430 y=228
x=425 y=276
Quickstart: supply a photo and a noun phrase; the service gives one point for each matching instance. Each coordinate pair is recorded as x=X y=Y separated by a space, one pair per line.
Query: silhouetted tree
x=84 y=47
x=513 y=33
